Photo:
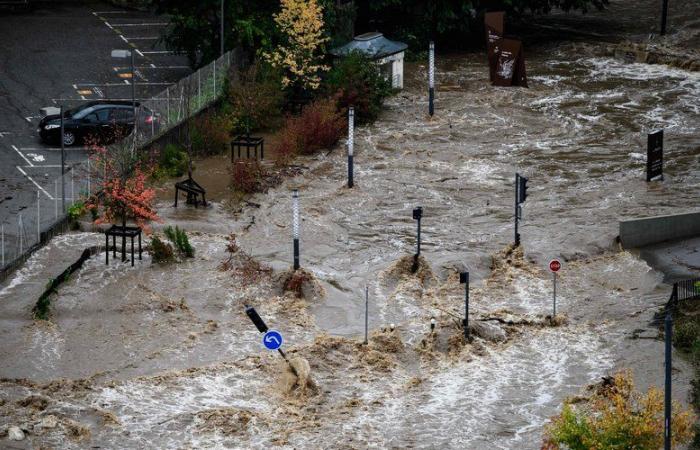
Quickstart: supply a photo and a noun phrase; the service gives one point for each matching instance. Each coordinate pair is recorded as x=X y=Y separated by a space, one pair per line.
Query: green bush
x=357 y=81
x=161 y=251
x=686 y=334
x=254 y=98
x=172 y=162
x=76 y=210
x=178 y=237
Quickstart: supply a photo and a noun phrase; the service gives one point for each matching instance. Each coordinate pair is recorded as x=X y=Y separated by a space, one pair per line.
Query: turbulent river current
x=164 y=357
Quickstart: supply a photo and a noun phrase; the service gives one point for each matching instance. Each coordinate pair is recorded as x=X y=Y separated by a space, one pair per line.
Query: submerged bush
x=319 y=126
x=356 y=81
x=616 y=416
x=76 y=210
x=178 y=237
x=161 y=251
x=248 y=176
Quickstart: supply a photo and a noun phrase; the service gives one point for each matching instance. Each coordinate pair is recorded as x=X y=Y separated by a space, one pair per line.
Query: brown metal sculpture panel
x=495 y=27
x=510 y=67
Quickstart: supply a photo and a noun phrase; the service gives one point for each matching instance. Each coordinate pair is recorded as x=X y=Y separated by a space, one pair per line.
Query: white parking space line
x=110 y=12
x=124 y=39
x=22 y=155
x=126 y=82
x=151 y=67
x=159 y=52
x=3 y=133
x=150 y=38
x=139 y=52
x=46 y=166
x=35 y=183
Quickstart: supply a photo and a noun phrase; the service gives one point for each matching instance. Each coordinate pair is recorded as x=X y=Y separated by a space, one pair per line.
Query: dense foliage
x=356 y=81
x=254 y=98
x=617 y=416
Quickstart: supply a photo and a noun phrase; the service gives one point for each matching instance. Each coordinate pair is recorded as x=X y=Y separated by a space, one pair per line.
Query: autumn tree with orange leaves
x=122 y=172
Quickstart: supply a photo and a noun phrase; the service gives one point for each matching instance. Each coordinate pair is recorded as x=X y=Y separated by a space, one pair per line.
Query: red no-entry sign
x=554 y=265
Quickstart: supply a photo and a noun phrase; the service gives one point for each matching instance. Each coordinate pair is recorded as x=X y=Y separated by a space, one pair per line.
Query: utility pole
x=222 y=27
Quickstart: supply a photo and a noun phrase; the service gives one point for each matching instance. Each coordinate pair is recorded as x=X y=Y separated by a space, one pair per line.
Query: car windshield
x=79 y=113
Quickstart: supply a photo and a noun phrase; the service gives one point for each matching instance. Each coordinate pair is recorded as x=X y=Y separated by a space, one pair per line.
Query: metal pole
x=63 y=166
x=664 y=14
x=554 y=309
x=20 y=226
x=366 y=313
x=517 y=235
x=199 y=89
x=88 y=174
x=72 y=188
x=351 y=145
x=295 y=226
x=55 y=199
x=133 y=86
x=2 y=236
x=431 y=78
x=38 y=217
x=222 y=27
x=214 y=79
x=167 y=94
x=668 y=333
x=418 y=240
x=466 y=307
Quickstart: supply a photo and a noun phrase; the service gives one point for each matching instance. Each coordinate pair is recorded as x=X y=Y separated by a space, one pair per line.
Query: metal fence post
x=55 y=199
x=167 y=96
x=20 y=227
x=214 y=78
x=88 y=172
x=668 y=333
x=199 y=89
x=2 y=237
x=72 y=187
x=366 y=313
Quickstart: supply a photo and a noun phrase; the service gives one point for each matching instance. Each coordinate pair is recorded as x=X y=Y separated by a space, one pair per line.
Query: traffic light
x=522 y=189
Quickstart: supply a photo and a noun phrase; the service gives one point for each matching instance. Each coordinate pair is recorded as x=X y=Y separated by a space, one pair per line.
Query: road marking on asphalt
x=47 y=166
x=35 y=183
x=144 y=38
x=3 y=133
x=123 y=38
x=139 y=52
x=110 y=26
x=159 y=52
x=36 y=157
x=124 y=75
x=84 y=92
x=53 y=149
x=22 y=155
x=98 y=91
x=149 y=67
x=109 y=12
x=126 y=82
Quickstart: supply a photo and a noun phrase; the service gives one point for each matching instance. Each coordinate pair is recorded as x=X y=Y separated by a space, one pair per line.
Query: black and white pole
x=351 y=145
x=664 y=15
x=295 y=227
x=464 y=279
x=262 y=327
x=431 y=79
x=366 y=314
x=63 y=164
x=417 y=215
x=520 y=197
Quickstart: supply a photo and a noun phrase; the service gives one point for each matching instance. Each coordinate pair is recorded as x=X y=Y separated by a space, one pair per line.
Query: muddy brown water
x=168 y=351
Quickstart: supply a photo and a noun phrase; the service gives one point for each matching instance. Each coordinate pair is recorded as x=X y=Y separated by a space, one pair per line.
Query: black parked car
x=95 y=122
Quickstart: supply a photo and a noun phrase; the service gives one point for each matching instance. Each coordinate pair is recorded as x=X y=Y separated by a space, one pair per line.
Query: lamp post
x=222 y=27
x=431 y=78
x=351 y=144
x=295 y=226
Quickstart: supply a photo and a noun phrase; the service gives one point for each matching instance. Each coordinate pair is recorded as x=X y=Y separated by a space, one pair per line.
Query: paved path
x=60 y=54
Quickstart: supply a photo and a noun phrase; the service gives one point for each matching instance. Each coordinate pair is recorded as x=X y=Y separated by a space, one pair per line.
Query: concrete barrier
x=652 y=230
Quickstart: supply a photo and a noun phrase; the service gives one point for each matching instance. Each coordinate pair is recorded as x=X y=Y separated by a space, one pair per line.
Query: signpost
x=417 y=215
x=272 y=340
x=655 y=155
x=554 y=267
x=520 y=197
x=494 y=24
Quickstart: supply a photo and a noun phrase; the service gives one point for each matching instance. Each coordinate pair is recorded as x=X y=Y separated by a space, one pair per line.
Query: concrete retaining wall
x=652 y=230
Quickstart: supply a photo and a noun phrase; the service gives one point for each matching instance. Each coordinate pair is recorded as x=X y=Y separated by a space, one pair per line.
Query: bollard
x=2 y=238
x=464 y=279
x=295 y=226
x=366 y=314
x=351 y=144
x=432 y=324
x=431 y=79
x=63 y=166
x=55 y=199
x=520 y=196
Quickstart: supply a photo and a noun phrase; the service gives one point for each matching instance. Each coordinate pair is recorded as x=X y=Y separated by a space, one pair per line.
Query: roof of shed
x=374 y=45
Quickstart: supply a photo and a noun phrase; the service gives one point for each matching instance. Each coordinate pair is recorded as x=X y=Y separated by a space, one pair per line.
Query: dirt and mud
x=163 y=355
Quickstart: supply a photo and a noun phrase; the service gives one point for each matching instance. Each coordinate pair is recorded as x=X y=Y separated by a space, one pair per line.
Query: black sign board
x=494 y=25
x=510 y=69
x=655 y=155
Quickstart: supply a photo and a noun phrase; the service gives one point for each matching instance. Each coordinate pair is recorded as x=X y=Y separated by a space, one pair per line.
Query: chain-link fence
x=48 y=207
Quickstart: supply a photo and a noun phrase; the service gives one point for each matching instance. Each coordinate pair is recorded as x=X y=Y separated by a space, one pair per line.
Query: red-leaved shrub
x=320 y=125
x=248 y=176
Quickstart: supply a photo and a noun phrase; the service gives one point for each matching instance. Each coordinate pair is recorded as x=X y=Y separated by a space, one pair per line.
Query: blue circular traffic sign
x=272 y=340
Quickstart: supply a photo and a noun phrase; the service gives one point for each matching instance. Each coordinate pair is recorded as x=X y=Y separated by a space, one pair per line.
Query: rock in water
x=489 y=331
x=15 y=434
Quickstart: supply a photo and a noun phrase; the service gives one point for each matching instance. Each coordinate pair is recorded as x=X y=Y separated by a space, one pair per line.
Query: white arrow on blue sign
x=272 y=340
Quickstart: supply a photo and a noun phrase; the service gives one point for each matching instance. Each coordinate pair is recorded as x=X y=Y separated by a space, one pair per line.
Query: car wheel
x=68 y=138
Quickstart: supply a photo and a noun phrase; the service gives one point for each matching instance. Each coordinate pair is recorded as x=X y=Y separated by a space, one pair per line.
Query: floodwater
x=164 y=357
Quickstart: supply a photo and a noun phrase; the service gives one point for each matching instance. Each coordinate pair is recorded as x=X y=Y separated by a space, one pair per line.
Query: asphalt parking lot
x=59 y=53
